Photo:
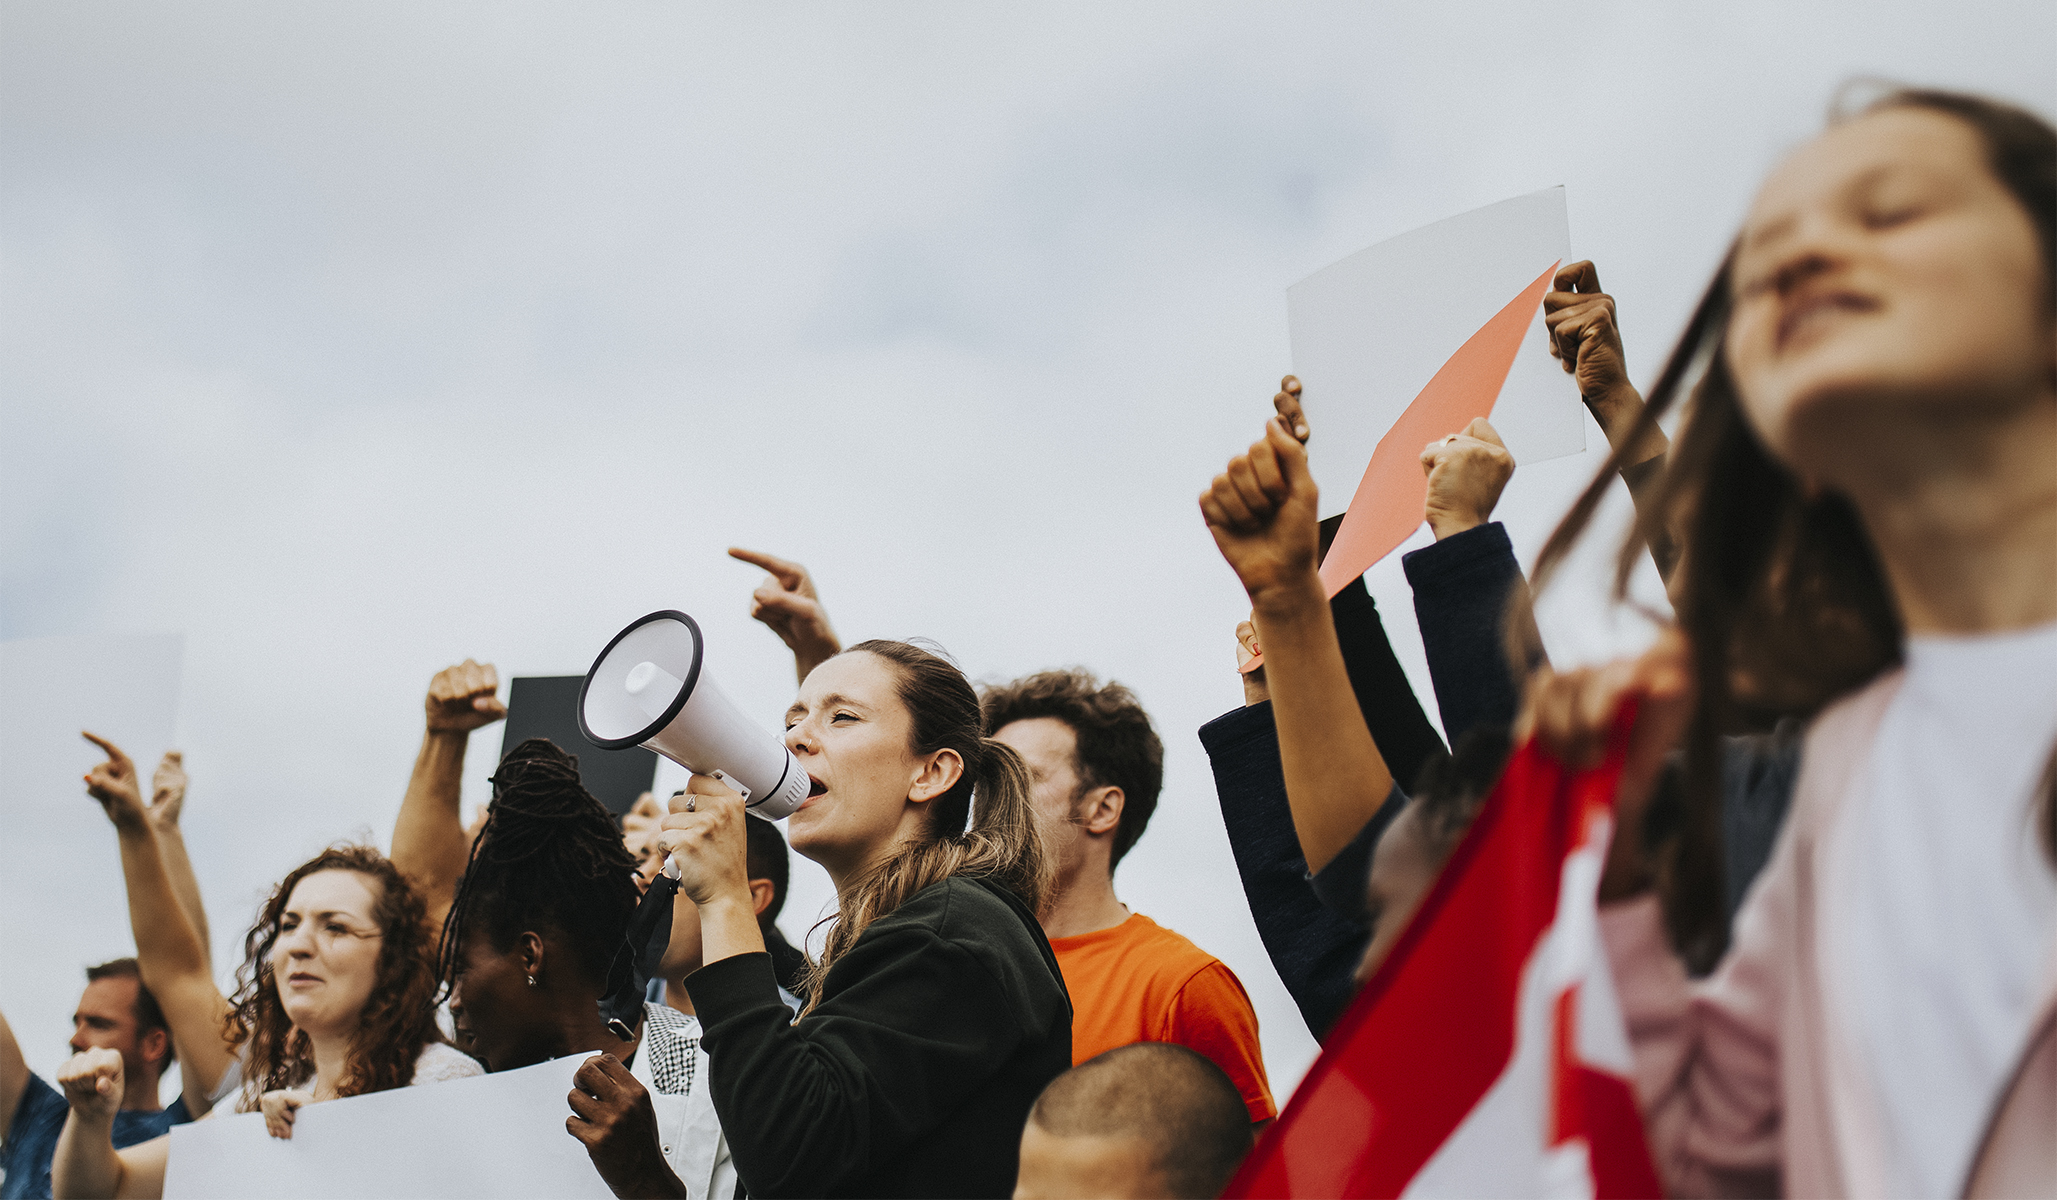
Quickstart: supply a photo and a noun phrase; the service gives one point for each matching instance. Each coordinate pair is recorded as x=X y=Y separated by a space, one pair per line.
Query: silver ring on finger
x=690 y=802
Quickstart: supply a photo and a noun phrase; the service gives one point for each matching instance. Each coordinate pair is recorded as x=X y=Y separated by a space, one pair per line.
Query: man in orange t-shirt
x=1098 y=766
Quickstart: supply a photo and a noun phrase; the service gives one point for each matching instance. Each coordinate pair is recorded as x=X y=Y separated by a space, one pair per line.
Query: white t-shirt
x=1941 y=908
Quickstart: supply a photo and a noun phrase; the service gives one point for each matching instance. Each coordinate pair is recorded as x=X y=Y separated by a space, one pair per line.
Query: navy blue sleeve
x=1313 y=948
x=1340 y=885
x=1399 y=728
x=1461 y=588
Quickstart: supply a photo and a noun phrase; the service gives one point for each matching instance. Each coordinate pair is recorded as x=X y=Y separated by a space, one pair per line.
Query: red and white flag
x=1487 y=1057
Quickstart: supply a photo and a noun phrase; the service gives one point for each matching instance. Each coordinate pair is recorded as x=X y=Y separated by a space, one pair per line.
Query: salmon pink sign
x=1406 y=342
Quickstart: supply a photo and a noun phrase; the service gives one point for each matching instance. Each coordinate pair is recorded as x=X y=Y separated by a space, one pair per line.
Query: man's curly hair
x=1117 y=746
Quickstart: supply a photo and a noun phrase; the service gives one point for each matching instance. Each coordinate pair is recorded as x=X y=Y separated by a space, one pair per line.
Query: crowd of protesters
x=1830 y=902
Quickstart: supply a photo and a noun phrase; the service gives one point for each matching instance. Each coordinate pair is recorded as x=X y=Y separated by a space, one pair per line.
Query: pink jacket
x=1747 y=1080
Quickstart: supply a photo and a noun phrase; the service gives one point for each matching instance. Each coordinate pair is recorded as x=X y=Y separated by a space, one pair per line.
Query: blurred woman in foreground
x=1865 y=495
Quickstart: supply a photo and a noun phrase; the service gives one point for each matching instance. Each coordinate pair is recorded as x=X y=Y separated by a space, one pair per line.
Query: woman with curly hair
x=335 y=997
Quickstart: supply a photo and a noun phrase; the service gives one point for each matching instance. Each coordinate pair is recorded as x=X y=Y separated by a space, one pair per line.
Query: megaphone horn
x=648 y=688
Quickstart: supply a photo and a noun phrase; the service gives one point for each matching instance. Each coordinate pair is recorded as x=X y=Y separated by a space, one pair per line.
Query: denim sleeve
x=1461 y=587
x=1313 y=948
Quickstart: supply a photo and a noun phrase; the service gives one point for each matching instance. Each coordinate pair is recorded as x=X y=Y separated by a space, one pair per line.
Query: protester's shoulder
x=40 y=1105
x=37 y=1095
x=957 y=909
x=1169 y=951
x=439 y=1063
x=27 y=1145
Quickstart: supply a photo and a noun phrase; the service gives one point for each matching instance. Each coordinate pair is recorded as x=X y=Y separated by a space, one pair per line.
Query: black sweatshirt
x=935 y=1033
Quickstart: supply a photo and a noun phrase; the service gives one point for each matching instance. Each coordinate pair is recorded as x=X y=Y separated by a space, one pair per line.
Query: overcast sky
x=352 y=340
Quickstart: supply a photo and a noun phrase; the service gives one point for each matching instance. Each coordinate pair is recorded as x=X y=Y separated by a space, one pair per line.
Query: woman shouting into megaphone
x=937 y=1012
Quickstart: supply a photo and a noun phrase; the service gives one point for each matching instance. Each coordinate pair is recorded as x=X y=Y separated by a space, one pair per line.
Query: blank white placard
x=1370 y=331
x=486 y=1136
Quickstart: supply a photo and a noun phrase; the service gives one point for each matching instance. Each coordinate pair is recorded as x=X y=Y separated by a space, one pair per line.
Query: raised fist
x=168 y=788
x=1466 y=472
x=93 y=1084
x=1261 y=511
x=1583 y=333
x=461 y=698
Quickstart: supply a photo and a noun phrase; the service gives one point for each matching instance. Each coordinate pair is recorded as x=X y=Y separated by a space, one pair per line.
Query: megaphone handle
x=671 y=866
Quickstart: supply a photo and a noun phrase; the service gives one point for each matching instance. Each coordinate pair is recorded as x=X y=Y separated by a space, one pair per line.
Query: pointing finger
x=790 y=574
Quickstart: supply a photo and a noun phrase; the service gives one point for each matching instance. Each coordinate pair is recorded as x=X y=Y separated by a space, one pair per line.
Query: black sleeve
x=1340 y=885
x=1313 y=949
x=809 y=1107
x=1401 y=730
x=1461 y=588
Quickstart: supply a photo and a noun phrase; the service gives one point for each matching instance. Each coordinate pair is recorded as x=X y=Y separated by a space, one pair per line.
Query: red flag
x=1487 y=1056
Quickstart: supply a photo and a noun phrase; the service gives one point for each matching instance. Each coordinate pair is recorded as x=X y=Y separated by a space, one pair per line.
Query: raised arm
x=169 y=953
x=787 y=604
x=1261 y=512
x=1585 y=337
x=429 y=840
x=86 y=1164
x=167 y=802
x=1462 y=584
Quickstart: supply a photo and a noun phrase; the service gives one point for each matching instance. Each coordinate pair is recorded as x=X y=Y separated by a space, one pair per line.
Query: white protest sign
x=1371 y=331
x=61 y=901
x=485 y=1136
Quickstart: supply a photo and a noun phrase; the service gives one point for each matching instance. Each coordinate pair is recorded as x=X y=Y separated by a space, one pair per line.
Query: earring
x=532 y=981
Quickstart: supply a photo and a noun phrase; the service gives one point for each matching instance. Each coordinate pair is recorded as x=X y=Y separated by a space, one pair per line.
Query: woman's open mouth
x=815 y=787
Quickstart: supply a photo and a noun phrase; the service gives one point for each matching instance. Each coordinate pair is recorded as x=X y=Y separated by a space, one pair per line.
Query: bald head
x=1151 y=1119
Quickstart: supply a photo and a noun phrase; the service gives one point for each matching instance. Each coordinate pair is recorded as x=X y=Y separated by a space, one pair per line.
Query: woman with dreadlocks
x=936 y=1013
x=336 y=998
x=532 y=934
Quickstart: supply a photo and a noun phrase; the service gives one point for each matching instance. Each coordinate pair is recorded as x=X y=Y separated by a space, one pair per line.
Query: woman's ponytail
x=1004 y=816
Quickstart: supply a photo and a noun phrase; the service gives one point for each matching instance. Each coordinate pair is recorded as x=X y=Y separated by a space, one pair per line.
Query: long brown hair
x=983 y=827
x=398 y=1019
x=1783 y=596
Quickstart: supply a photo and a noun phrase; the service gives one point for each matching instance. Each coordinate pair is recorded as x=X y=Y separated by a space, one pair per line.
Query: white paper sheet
x=61 y=901
x=486 y=1136
x=1370 y=331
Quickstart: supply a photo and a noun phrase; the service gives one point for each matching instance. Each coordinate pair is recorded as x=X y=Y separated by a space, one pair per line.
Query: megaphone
x=648 y=688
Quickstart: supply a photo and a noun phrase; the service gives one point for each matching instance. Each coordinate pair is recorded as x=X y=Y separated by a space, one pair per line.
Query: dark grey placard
x=546 y=706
